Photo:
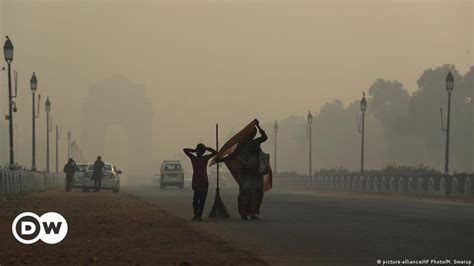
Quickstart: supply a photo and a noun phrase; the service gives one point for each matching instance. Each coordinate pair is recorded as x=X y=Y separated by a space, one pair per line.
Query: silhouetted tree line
x=402 y=128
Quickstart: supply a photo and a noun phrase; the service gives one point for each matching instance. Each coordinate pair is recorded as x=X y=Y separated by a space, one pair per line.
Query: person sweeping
x=200 y=181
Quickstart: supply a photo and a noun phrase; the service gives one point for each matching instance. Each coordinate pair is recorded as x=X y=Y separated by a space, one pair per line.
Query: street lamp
x=310 y=122
x=34 y=87
x=363 y=108
x=69 y=144
x=449 y=88
x=275 y=130
x=58 y=133
x=73 y=150
x=47 y=106
x=8 y=53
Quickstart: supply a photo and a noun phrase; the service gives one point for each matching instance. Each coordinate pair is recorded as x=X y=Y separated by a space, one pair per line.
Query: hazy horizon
x=205 y=62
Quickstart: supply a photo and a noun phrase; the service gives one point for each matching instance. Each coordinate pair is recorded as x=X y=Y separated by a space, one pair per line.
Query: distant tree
x=425 y=106
x=401 y=129
x=389 y=105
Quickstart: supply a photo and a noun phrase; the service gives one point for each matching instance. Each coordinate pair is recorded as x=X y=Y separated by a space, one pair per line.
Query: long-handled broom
x=218 y=210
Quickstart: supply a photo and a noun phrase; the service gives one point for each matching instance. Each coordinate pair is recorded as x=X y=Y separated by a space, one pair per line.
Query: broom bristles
x=218 y=210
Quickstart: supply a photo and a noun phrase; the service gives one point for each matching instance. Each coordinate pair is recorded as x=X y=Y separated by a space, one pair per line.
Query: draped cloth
x=237 y=163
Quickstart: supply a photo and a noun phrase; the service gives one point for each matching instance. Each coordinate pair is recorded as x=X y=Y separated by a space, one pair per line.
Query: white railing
x=19 y=181
x=435 y=185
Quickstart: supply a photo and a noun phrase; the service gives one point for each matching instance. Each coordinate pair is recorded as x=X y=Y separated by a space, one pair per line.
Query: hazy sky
x=203 y=62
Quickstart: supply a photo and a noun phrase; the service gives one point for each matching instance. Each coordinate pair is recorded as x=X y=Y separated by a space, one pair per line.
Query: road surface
x=325 y=228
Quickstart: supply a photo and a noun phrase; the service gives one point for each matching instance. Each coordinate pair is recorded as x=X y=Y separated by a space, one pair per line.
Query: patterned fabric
x=237 y=159
x=250 y=195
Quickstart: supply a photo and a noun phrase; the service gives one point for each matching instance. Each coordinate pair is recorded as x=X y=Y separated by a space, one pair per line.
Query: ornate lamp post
x=8 y=53
x=47 y=106
x=363 y=108
x=310 y=122
x=449 y=88
x=275 y=130
x=33 y=87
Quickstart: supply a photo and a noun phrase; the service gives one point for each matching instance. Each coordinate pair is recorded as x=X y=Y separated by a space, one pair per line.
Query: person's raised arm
x=263 y=136
x=212 y=152
x=189 y=152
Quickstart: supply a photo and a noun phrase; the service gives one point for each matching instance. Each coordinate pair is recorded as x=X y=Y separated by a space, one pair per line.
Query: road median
x=108 y=228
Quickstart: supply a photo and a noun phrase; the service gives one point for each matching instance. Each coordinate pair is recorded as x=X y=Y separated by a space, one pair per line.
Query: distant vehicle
x=171 y=174
x=110 y=179
x=78 y=181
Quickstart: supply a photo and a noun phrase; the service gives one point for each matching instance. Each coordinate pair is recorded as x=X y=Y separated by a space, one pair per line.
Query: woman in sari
x=251 y=180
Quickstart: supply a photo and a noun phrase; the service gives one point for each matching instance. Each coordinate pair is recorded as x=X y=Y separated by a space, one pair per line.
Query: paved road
x=324 y=228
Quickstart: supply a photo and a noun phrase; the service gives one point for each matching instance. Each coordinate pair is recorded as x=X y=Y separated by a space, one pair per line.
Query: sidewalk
x=107 y=228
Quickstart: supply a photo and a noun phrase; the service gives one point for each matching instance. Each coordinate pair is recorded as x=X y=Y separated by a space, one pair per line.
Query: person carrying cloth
x=249 y=166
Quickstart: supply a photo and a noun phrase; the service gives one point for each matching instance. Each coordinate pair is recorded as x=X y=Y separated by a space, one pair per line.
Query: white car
x=79 y=179
x=171 y=174
x=110 y=179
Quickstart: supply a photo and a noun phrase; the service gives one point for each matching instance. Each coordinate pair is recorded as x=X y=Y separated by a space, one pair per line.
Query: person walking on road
x=251 y=185
x=69 y=169
x=99 y=168
x=200 y=181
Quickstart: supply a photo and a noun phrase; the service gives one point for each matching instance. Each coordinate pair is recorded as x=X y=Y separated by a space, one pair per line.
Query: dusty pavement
x=326 y=228
x=107 y=228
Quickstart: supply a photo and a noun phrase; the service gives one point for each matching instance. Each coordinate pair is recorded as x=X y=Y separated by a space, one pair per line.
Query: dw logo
x=28 y=228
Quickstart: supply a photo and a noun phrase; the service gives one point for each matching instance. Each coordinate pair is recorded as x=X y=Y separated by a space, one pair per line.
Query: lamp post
x=310 y=122
x=69 y=144
x=47 y=106
x=275 y=130
x=449 y=88
x=8 y=53
x=363 y=108
x=74 y=150
x=58 y=133
x=34 y=86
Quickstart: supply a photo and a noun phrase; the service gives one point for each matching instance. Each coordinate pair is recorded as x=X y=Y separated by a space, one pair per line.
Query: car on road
x=110 y=180
x=171 y=174
x=79 y=175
